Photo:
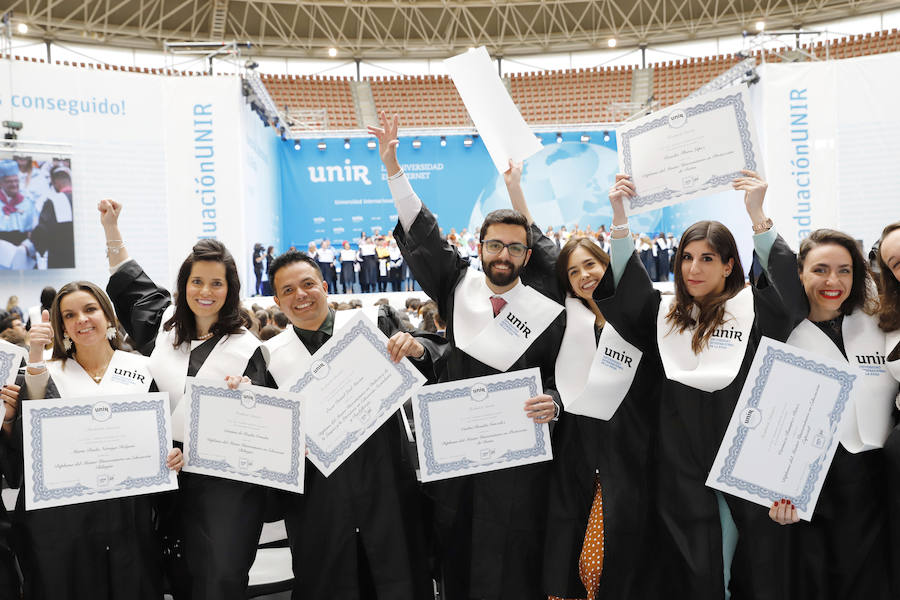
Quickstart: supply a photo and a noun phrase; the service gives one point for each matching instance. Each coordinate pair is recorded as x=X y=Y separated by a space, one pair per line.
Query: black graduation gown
x=360 y=531
x=843 y=551
x=10 y=465
x=104 y=549
x=892 y=465
x=489 y=527
x=692 y=424
x=220 y=519
x=58 y=238
x=620 y=454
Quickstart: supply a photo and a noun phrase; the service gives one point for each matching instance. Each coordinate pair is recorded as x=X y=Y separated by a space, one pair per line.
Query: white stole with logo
x=719 y=362
x=593 y=381
x=498 y=341
x=866 y=426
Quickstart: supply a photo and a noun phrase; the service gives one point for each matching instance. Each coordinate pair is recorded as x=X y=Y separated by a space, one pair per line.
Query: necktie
x=498 y=303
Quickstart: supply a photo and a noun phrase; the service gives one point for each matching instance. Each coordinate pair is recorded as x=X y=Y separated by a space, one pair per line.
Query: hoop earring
x=111 y=333
x=67 y=343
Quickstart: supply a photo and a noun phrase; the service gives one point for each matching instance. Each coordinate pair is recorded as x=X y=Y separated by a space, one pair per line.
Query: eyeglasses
x=516 y=249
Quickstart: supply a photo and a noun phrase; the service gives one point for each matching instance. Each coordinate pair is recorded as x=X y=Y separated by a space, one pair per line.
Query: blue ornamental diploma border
x=815 y=470
x=6 y=365
x=736 y=101
x=408 y=380
x=292 y=477
x=539 y=449
x=38 y=416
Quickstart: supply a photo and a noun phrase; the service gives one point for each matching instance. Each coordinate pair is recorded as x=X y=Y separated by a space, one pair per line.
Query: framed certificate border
x=736 y=101
x=432 y=467
x=41 y=415
x=410 y=379
x=845 y=379
x=10 y=358
x=291 y=478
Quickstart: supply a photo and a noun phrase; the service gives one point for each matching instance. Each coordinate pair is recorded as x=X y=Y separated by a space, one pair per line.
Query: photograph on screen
x=36 y=217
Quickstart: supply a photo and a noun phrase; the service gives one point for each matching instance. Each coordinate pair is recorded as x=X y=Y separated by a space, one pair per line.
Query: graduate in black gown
x=10 y=459
x=843 y=553
x=200 y=335
x=888 y=259
x=602 y=463
x=706 y=335
x=106 y=548
x=489 y=527
x=357 y=533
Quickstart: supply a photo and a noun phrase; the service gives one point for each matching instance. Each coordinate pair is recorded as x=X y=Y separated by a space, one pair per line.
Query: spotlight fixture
x=22 y=28
x=332 y=52
x=611 y=42
x=371 y=144
x=297 y=145
x=559 y=138
x=468 y=142
x=321 y=145
x=585 y=138
x=417 y=143
x=346 y=143
x=251 y=64
x=760 y=25
x=605 y=136
x=443 y=141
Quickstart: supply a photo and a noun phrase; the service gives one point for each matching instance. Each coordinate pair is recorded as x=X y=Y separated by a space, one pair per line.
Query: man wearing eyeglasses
x=489 y=527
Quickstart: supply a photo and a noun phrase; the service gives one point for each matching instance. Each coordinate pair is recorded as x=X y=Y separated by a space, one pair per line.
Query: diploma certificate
x=785 y=428
x=688 y=150
x=252 y=434
x=79 y=450
x=10 y=358
x=351 y=387
x=477 y=425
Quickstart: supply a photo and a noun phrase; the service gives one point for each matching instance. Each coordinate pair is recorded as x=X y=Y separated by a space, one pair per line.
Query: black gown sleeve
x=779 y=298
x=631 y=307
x=139 y=304
x=435 y=264
x=540 y=272
x=257 y=371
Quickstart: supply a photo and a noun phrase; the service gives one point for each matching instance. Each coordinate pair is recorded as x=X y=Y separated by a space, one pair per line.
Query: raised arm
x=139 y=302
x=513 y=178
x=436 y=265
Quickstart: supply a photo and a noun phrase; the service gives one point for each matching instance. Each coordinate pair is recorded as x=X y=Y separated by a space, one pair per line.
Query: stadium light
x=443 y=141
x=22 y=28
x=332 y=52
x=321 y=145
x=760 y=25
x=611 y=42
x=297 y=145
x=346 y=143
x=605 y=136
x=585 y=138
x=371 y=144
x=417 y=143
x=558 y=138
x=468 y=142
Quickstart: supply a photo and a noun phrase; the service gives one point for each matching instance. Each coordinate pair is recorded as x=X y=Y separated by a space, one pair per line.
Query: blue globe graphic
x=564 y=184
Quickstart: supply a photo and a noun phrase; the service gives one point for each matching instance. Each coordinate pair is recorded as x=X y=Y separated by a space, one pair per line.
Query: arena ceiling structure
x=368 y=29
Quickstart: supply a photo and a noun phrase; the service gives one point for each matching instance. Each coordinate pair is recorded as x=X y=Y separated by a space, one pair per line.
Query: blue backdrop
x=338 y=192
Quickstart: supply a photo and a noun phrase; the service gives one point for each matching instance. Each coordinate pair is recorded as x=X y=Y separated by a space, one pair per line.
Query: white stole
x=498 y=341
x=169 y=366
x=593 y=381
x=717 y=364
x=126 y=373
x=288 y=358
x=866 y=426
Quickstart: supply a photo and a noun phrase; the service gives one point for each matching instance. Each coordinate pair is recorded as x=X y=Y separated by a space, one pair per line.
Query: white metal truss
x=364 y=29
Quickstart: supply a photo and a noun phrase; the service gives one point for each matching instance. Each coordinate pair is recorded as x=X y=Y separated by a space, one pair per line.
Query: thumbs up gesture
x=41 y=336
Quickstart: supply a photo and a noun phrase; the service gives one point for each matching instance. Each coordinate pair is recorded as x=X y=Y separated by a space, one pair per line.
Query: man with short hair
x=357 y=533
x=490 y=526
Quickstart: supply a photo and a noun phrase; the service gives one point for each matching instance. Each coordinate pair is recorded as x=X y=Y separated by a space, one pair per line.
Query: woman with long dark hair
x=107 y=548
x=843 y=551
x=200 y=336
x=706 y=335
x=600 y=507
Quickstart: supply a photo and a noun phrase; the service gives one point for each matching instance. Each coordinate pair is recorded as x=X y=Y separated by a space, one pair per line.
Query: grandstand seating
x=332 y=97
x=590 y=95
x=422 y=100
